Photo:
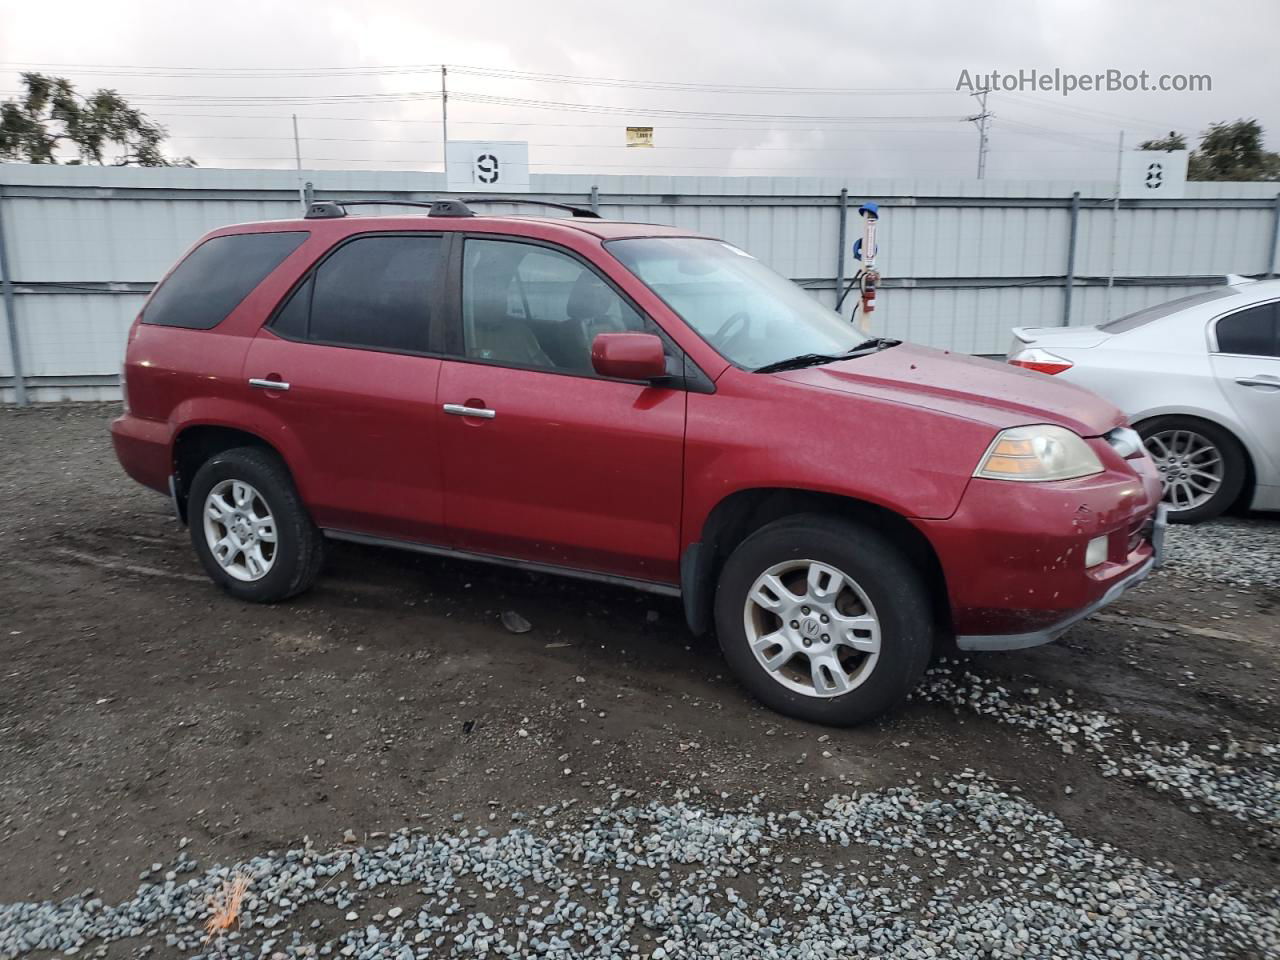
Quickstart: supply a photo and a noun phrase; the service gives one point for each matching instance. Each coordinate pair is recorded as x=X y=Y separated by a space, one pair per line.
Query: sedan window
x=1254 y=332
x=1146 y=315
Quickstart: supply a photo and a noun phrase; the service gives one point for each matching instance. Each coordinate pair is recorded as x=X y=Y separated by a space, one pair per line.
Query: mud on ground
x=143 y=711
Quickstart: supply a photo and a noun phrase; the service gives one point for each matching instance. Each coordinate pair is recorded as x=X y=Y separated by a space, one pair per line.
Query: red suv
x=633 y=404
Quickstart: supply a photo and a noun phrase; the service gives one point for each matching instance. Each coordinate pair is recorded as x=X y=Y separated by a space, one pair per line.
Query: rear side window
x=1134 y=320
x=373 y=292
x=216 y=276
x=1254 y=332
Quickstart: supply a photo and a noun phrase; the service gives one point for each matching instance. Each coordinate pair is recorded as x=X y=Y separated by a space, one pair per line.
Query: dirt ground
x=141 y=710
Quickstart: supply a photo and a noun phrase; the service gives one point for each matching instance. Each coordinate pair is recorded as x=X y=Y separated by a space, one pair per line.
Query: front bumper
x=1034 y=638
x=1013 y=554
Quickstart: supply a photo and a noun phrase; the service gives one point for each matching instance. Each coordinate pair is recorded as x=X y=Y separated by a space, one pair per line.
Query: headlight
x=1038 y=452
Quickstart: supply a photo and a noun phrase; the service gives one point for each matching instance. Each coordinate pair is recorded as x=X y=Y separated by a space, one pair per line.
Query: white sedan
x=1199 y=378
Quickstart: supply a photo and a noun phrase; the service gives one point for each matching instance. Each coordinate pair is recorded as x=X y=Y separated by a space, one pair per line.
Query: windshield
x=751 y=315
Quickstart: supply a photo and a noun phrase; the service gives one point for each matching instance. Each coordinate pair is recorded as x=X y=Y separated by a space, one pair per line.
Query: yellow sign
x=639 y=136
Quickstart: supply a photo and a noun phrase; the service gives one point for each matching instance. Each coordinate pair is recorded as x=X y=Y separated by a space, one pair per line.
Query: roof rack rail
x=576 y=211
x=331 y=209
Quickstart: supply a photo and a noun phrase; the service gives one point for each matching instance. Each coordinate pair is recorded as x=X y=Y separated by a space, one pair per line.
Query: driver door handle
x=460 y=410
x=1262 y=380
x=268 y=384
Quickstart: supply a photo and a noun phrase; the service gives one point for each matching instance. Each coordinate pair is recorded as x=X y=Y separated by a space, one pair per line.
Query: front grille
x=1140 y=532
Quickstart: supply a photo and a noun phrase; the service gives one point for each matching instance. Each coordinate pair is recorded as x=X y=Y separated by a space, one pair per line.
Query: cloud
x=919 y=48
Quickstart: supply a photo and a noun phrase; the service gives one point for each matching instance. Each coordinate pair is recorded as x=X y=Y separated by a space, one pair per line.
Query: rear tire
x=249 y=527
x=875 y=621
x=1201 y=465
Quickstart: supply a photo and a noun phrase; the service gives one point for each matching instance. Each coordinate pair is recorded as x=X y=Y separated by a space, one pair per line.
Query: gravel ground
x=1244 y=553
x=958 y=869
x=395 y=775
x=1239 y=779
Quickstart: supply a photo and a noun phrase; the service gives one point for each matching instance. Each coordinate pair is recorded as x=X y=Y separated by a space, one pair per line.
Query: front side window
x=373 y=292
x=206 y=286
x=530 y=306
x=752 y=316
x=1254 y=332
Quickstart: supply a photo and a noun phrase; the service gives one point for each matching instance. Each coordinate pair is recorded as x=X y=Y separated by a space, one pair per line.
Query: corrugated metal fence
x=963 y=260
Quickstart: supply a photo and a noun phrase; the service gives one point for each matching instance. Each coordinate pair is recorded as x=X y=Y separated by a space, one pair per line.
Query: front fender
x=911 y=461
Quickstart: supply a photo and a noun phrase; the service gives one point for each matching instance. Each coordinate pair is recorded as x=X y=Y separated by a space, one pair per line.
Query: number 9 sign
x=476 y=166
x=487 y=166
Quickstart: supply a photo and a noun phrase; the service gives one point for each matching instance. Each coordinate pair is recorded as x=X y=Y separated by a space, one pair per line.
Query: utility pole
x=297 y=159
x=981 y=120
x=444 y=117
x=1115 y=225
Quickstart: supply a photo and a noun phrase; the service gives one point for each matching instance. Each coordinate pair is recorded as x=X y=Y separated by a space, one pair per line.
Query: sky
x=734 y=87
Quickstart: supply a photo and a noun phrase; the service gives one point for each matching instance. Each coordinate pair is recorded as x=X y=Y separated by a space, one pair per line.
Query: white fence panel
x=962 y=260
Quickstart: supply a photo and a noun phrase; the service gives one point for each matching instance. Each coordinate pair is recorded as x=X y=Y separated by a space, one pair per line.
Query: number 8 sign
x=1153 y=174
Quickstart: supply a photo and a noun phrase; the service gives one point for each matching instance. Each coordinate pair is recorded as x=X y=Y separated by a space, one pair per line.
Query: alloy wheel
x=812 y=628
x=1190 y=466
x=240 y=530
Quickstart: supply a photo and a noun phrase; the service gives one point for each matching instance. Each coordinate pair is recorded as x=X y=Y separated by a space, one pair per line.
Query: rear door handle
x=460 y=410
x=1259 y=381
x=268 y=384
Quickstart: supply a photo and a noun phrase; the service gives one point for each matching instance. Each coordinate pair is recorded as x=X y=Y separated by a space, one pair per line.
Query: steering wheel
x=733 y=328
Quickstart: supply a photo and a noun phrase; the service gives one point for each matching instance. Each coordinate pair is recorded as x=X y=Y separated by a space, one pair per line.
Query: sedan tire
x=1201 y=465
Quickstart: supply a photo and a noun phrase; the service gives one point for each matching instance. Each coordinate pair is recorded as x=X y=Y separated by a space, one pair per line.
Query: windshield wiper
x=872 y=345
x=799 y=362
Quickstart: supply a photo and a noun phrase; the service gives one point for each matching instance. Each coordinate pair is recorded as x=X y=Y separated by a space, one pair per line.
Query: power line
x=221 y=100
x=1087 y=113
x=247 y=73
x=744 y=148
x=536 y=123
x=528 y=76
x=1063 y=136
x=525 y=103
x=697 y=114
x=678 y=86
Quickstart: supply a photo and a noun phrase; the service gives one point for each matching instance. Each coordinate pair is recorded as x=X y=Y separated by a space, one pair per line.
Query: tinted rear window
x=1146 y=315
x=1254 y=332
x=376 y=292
x=216 y=276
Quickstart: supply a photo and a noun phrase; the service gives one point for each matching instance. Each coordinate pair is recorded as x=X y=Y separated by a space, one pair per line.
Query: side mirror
x=629 y=356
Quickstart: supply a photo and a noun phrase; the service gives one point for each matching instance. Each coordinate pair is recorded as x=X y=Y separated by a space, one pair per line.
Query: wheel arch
x=1221 y=423
x=739 y=514
x=195 y=443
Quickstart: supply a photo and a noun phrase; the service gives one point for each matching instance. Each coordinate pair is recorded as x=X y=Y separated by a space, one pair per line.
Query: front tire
x=823 y=620
x=1202 y=466
x=249 y=527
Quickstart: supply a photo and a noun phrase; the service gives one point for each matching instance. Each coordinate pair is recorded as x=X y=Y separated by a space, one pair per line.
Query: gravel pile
x=1244 y=553
x=957 y=869
x=1237 y=778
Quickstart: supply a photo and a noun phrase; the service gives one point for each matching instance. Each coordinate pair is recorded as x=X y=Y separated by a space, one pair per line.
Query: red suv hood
x=965 y=386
